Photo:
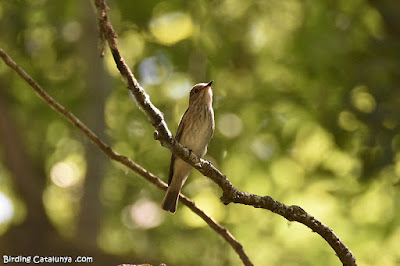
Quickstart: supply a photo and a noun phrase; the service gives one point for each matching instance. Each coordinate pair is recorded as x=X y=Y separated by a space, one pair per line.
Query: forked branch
x=230 y=193
x=123 y=159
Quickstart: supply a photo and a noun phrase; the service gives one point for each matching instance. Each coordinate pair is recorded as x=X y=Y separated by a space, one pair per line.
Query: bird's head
x=201 y=93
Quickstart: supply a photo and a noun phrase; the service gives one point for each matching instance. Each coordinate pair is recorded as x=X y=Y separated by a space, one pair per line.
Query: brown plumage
x=195 y=130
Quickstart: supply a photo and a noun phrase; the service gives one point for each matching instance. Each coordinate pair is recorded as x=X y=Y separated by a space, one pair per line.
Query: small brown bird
x=195 y=130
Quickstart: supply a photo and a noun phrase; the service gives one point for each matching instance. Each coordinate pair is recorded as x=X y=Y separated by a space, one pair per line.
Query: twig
x=230 y=193
x=123 y=159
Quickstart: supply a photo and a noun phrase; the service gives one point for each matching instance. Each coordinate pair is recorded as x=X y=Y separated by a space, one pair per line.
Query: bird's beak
x=209 y=83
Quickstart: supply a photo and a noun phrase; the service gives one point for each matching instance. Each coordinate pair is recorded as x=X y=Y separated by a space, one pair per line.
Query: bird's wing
x=177 y=137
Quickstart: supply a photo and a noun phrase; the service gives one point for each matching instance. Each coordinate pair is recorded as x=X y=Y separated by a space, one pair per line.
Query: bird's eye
x=196 y=90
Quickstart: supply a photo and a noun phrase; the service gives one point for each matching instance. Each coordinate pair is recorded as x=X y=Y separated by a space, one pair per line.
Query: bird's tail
x=170 y=201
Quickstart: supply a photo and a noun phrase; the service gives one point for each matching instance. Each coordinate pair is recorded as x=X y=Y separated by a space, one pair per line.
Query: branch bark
x=123 y=159
x=230 y=193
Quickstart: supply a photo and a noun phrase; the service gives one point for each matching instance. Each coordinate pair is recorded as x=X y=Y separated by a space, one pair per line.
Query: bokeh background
x=307 y=104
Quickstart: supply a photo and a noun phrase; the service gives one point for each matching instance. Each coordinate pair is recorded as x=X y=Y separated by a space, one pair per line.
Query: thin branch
x=230 y=193
x=123 y=159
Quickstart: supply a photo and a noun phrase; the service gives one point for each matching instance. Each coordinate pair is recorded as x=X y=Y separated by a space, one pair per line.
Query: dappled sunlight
x=317 y=199
x=133 y=45
x=392 y=243
x=296 y=240
x=270 y=253
x=390 y=122
x=373 y=21
x=66 y=170
x=69 y=172
x=275 y=28
x=173 y=27
x=367 y=245
x=294 y=236
x=56 y=131
x=206 y=201
x=232 y=9
x=154 y=70
x=236 y=168
x=261 y=121
x=348 y=121
x=62 y=207
x=135 y=129
x=342 y=164
x=376 y=206
x=362 y=99
x=275 y=73
x=38 y=41
x=292 y=117
x=178 y=85
x=65 y=174
x=123 y=147
x=72 y=31
x=261 y=183
x=395 y=145
x=257 y=36
x=112 y=187
x=230 y=125
x=12 y=208
x=142 y=214
x=264 y=147
x=6 y=209
x=114 y=106
x=114 y=239
x=287 y=174
x=311 y=145
x=235 y=83
x=265 y=228
x=306 y=106
x=397 y=164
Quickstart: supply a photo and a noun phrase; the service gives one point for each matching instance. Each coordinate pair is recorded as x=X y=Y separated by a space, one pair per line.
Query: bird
x=195 y=130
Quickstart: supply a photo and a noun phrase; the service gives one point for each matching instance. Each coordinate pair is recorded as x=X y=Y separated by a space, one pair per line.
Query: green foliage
x=306 y=105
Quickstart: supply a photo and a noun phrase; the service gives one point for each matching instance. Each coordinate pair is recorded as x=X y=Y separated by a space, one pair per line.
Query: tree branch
x=230 y=193
x=123 y=159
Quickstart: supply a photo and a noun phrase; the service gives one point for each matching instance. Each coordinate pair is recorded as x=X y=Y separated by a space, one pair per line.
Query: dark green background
x=306 y=100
